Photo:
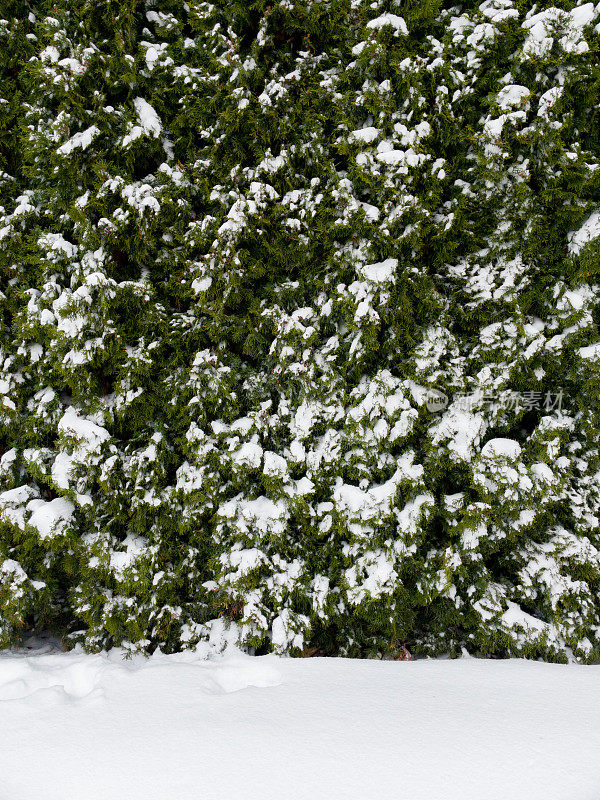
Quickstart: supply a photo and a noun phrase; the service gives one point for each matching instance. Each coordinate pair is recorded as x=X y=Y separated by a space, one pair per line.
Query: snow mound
x=507 y=448
x=76 y=675
x=397 y=23
x=219 y=727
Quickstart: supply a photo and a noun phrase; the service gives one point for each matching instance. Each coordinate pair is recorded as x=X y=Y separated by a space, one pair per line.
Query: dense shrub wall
x=242 y=247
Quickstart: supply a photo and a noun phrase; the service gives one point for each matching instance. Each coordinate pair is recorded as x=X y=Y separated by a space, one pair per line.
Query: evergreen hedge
x=299 y=325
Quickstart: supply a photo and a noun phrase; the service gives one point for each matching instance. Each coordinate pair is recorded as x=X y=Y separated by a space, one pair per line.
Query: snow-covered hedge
x=299 y=324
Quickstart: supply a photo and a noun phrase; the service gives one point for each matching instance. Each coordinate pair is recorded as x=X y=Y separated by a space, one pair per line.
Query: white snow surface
x=52 y=517
x=367 y=135
x=512 y=95
x=589 y=231
x=380 y=272
x=149 y=119
x=83 y=139
x=150 y=124
x=394 y=20
x=501 y=447
x=81 y=428
x=196 y=725
x=591 y=351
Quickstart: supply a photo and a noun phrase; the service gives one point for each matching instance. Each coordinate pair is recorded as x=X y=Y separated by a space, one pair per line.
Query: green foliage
x=242 y=247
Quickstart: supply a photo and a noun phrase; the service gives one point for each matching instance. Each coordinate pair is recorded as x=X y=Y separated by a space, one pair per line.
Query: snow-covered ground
x=81 y=727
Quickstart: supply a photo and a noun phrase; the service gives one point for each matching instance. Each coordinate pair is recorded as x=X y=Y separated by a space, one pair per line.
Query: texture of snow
x=120 y=560
x=380 y=272
x=400 y=158
x=57 y=243
x=375 y=502
x=591 y=351
x=150 y=124
x=261 y=514
x=249 y=454
x=511 y=96
x=155 y=53
x=50 y=518
x=50 y=54
x=358 y=48
x=498 y=10
x=515 y=616
x=548 y=99
x=83 y=139
x=12 y=505
x=149 y=119
x=501 y=447
x=389 y=19
x=366 y=135
x=274 y=465
x=540 y=26
x=82 y=429
x=589 y=231
x=583 y=15
x=186 y=726
x=462 y=430
x=13 y=568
